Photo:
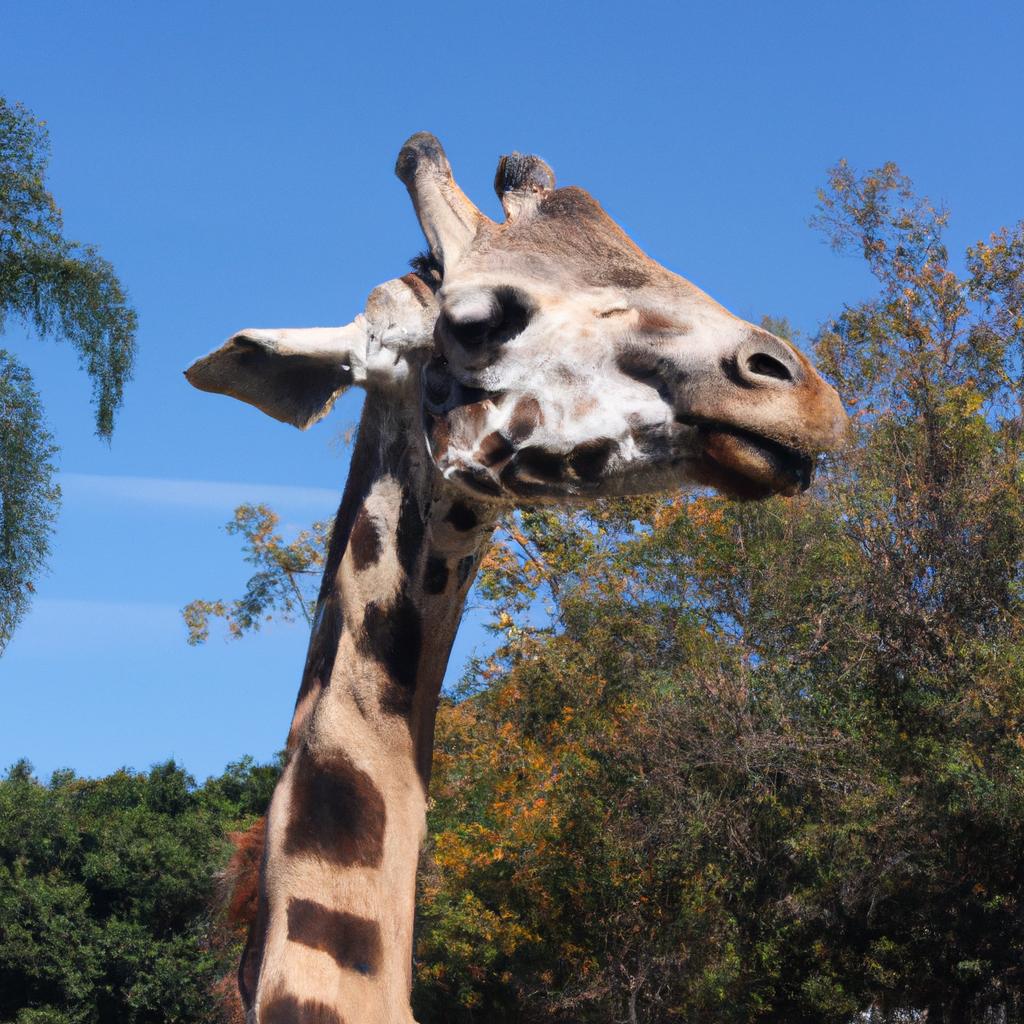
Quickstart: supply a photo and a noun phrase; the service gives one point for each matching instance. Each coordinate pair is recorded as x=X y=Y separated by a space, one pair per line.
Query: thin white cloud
x=95 y=635
x=86 y=609
x=57 y=627
x=197 y=494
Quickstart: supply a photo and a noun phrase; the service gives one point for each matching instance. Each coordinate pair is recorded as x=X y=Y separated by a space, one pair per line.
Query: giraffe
x=543 y=358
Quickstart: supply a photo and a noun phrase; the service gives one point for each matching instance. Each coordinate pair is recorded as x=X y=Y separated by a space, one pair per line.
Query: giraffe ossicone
x=544 y=358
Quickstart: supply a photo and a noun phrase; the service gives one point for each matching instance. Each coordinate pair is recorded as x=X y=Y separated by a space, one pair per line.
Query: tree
x=28 y=493
x=108 y=893
x=61 y=289
x=283 y=585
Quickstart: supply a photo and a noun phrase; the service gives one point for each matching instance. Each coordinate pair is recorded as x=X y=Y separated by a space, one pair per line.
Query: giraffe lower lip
x=760 y=461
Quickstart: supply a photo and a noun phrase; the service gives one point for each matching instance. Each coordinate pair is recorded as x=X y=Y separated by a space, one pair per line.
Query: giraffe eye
x=491 y=317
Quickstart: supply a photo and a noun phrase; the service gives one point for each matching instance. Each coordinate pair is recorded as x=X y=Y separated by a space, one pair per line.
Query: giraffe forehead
x=568 y=235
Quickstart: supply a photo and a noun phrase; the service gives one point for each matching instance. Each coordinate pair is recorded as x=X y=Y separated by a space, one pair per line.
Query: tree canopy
x=107 y=889
x=27 y=490
x=283 y=585
x=60 y=289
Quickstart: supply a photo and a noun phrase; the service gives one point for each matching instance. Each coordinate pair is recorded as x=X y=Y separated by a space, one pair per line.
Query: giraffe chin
x=748 y=467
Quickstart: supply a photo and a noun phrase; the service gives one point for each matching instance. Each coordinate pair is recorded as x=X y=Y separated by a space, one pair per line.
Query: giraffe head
x=551 y=358
x=568 y=363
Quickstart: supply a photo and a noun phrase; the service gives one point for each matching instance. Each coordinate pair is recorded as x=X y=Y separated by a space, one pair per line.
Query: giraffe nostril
x=763 y=365
x=762 y=360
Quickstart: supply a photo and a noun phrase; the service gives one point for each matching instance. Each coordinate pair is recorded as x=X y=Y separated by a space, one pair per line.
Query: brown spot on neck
x=354 y=942
x=365 y=541
x=409 y=540
x=282 y=1008
x=336 y=813
x=435 y=577
x=466 y=567
x=392 y=634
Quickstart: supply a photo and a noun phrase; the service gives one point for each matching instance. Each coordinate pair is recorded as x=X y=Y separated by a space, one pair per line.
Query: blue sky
x=234 y=161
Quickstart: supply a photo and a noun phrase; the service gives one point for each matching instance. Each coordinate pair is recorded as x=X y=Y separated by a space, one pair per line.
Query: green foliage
x=29 y=498
x=60 y=289
x=107 y=892
x=283 y=586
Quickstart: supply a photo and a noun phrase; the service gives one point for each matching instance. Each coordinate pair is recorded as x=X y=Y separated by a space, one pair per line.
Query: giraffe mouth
x=495 y=459
x=746 y=465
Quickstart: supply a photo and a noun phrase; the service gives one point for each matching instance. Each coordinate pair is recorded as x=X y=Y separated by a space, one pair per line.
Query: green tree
x=28 y=495
x=283 y=586
x=60 y=289
x=108 y=891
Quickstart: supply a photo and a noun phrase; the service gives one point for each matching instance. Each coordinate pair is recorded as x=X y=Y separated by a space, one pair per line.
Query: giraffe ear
x=449 y=220
x=521 y=181
x=293 y=375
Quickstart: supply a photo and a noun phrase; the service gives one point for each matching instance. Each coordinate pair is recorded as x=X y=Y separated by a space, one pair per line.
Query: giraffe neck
x=404 y=550
x=334 y=931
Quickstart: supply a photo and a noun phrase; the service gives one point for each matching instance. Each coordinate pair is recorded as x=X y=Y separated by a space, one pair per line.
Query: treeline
x=108 y=895
x=728 y=764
